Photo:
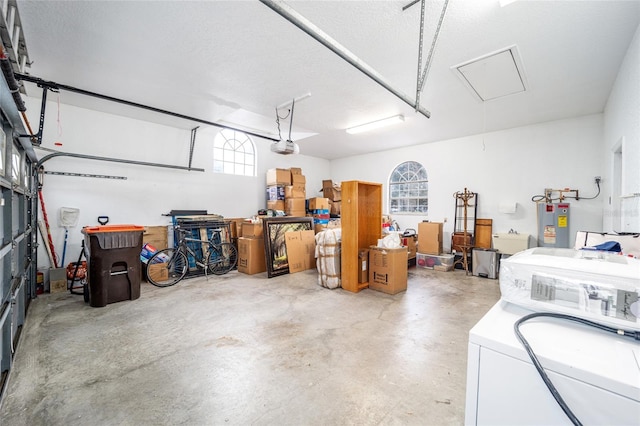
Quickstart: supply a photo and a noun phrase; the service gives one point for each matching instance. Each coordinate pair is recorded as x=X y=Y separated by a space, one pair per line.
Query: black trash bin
x=113 y=262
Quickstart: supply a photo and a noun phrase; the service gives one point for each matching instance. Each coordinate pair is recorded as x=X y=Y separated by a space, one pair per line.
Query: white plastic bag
x=390 y=241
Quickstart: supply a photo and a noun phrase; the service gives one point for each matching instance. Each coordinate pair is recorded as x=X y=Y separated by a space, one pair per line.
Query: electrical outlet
x=598 y=179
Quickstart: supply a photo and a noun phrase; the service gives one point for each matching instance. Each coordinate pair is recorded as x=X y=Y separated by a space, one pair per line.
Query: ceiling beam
x=305 y=25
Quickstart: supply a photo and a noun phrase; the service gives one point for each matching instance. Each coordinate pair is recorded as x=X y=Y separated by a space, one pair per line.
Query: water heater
x=553 y=225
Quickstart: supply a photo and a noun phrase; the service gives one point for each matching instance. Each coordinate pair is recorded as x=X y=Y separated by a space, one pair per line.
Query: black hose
x=534 y=359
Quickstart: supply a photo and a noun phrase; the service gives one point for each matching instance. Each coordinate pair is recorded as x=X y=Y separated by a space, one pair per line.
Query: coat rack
x=466 y=245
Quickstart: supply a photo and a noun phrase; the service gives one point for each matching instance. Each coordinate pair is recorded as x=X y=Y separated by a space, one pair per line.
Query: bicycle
x=169 y=266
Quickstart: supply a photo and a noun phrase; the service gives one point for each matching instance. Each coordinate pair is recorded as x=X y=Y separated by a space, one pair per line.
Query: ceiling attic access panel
x=494 y=75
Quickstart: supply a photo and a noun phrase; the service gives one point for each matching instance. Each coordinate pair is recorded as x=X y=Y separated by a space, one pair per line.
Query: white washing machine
x=596 y=373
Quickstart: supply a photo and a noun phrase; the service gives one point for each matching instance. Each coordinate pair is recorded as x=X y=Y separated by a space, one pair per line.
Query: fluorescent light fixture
x=376 y=124
x=504 y=3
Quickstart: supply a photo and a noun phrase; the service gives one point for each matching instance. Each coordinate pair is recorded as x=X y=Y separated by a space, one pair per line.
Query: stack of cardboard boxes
x=251 y=249
x=286 y=191
x=251 y=256
x=430 y=254
x=295 y=194
x=319 y=210
x=334 y=194
x=277 y=180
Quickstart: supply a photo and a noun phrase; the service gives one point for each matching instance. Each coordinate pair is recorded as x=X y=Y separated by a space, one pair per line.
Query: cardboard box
x=430 y=237
x=332 y=224
x=410 y=244
x=443 y=262
x=388 y=269
x=157 y=236
x=363 y=261
x=295 y=171
x=275 y=192
x=252 y=230
x=297 y=213
x=334 y=194
x=147 y=252
x=318 y=203
x=297 y=190
x=298 y=180
x=57 y=280
x=251 y=257
x=327 y=184
x=334 y=207
x=235 y=225
x=301 y=250
x=331 y=190
x=275 y=205
x=295 y=204
x=320 y=218
x=158 y=272
x=278 y=177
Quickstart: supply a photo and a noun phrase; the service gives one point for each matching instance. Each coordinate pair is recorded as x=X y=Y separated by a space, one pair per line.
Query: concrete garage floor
x=242 y=350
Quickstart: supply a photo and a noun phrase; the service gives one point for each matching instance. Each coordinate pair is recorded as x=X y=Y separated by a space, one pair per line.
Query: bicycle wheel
x=222 y=258
x=166 y=267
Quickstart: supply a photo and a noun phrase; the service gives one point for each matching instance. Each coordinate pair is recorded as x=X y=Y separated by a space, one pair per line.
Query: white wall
x=148 y=192
x=622 y=130
x=507 y=166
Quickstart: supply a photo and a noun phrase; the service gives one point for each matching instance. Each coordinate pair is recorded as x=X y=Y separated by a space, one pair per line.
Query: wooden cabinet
x=361 y=220
x=484 y=228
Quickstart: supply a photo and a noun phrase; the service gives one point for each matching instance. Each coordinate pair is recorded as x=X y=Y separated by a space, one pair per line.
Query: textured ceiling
x=235 y=61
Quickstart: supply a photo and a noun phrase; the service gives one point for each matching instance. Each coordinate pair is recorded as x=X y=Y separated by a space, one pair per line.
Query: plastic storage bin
x=443 y=262
x=113 y=263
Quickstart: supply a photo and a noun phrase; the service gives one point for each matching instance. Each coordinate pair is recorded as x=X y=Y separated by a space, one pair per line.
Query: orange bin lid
x=112 y=228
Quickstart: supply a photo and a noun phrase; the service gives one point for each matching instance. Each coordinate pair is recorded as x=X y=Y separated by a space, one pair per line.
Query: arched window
x=409 y=189
x=234 y=153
